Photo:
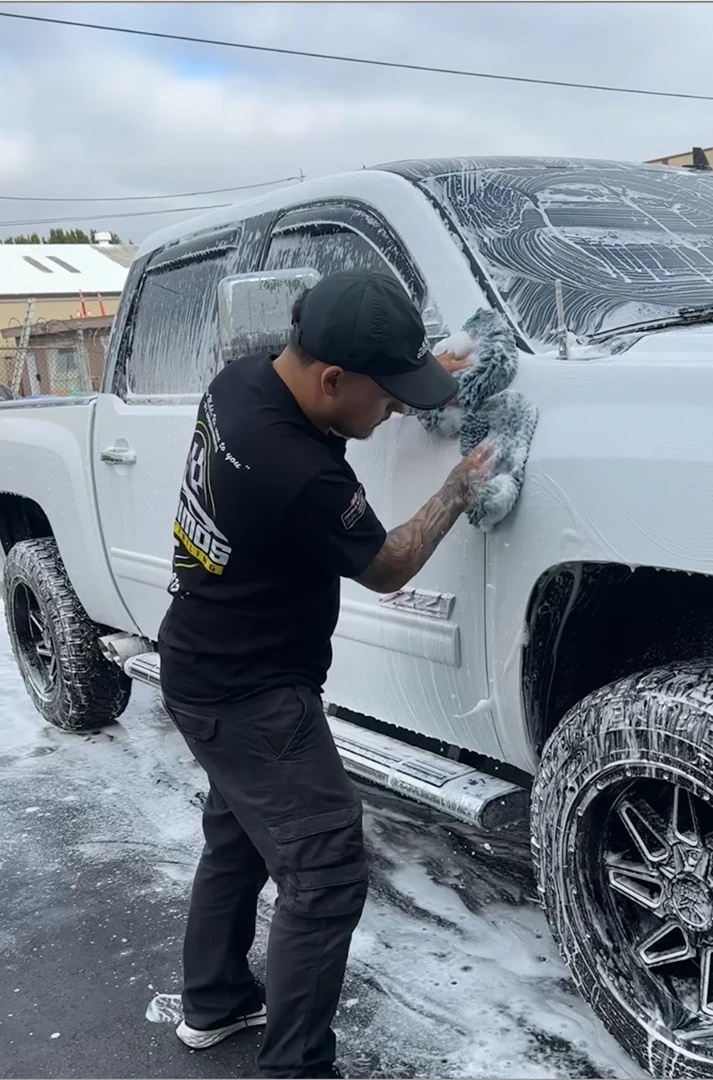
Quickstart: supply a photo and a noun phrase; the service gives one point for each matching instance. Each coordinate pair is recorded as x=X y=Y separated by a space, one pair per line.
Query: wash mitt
x=483 y=408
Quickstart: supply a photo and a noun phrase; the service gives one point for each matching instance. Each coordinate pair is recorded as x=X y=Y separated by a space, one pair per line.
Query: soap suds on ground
x=452 y=972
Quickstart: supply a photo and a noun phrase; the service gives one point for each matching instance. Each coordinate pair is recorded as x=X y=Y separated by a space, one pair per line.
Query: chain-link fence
x=64 y=358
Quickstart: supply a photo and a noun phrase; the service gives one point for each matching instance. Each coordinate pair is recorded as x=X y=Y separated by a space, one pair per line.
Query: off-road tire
x=654 y=729
x=88 y=691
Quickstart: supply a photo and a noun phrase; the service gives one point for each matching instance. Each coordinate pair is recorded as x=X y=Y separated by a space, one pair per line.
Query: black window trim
x=340 y=212
x=196 y=249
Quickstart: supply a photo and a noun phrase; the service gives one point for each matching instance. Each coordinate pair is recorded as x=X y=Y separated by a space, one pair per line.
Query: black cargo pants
x=279 y=804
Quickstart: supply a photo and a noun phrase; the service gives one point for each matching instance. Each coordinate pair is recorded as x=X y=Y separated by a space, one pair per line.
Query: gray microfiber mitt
x=485 y=408
x=509 y=420
x=488 y=343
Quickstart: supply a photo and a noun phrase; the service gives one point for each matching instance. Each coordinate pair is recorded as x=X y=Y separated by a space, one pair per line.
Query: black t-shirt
x=270 y=517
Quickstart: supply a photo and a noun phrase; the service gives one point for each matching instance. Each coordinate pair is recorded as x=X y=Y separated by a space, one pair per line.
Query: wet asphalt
x=452 y=971
x=88 y=942
x=74 y=988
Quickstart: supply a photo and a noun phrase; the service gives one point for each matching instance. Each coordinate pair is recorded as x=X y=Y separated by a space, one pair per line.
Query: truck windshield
x=628 y=242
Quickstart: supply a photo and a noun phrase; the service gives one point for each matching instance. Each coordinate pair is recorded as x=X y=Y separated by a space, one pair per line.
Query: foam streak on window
x=175 y=334
x=628 y=242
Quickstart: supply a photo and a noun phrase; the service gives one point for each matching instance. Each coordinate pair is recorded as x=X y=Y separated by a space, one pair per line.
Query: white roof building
x=63 y=269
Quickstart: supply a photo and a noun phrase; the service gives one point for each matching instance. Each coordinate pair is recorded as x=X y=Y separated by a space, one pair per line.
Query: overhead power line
x=110 y=217
x=145 y=198
x=358 y=59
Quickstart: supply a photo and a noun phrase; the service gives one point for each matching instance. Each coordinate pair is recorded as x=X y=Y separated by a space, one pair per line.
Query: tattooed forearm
x=409 y=546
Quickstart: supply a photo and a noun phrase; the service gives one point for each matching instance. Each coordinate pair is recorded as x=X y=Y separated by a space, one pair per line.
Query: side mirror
x=433 y=323
x=255 y=310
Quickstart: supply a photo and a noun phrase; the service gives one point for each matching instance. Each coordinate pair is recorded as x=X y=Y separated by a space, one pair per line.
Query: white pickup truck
x=562 y=659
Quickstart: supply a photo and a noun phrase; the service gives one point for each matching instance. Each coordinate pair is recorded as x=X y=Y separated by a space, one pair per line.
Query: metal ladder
x=21 y=354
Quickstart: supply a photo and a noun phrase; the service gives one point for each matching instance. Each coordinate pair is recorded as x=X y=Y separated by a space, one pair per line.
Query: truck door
x=416 y=660
x=165 y=355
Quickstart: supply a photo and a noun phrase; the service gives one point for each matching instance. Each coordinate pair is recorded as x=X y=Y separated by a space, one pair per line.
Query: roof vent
x=37 y=265
x=63 y=264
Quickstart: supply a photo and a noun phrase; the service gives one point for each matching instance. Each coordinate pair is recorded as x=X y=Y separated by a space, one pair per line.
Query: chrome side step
x=145 y=668
x=458 y=790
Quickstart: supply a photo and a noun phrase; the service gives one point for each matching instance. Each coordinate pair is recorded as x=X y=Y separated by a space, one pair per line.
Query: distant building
x=696 y=157
x=63 y=356
x=57 y=276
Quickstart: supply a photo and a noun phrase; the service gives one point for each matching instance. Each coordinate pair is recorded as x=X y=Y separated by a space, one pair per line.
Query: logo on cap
x=424 y=348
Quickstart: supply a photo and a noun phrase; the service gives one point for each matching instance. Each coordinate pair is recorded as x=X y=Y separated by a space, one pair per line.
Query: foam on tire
x=90 y=691
x=663 y=719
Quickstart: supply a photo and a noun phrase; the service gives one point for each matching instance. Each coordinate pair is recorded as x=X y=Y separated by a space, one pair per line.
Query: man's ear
x=330 y=380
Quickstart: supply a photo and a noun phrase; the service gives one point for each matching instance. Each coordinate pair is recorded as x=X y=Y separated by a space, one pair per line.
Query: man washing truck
x=572 y=643
x=270 y=517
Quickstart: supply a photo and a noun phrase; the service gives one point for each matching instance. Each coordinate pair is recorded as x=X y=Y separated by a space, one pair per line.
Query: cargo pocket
x=325 y=866
x=193 y=726
x=281 y=720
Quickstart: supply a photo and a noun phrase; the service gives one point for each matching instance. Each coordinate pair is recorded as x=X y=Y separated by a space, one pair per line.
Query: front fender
x=620 y=471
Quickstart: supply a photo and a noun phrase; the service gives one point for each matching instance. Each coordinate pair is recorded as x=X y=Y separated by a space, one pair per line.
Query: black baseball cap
x=365 y=322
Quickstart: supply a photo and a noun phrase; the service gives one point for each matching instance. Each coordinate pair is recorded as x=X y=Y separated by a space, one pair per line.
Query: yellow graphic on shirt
x=197 y=535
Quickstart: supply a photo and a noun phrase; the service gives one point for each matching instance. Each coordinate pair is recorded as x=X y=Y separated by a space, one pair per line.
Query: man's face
x=358 y=405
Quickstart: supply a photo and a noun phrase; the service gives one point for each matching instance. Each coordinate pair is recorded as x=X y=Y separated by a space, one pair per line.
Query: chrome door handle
x=114 y=455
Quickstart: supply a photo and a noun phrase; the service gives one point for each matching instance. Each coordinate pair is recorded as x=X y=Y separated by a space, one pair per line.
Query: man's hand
x=450 y=362
x=409 y=546
x=473 y=471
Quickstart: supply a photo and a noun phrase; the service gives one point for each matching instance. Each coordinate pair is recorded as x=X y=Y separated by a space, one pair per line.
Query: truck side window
x=168 y=340
x=174 y=337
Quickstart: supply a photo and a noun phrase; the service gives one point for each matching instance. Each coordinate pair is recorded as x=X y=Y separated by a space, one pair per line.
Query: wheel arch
x=21 y=518
x=591 y=623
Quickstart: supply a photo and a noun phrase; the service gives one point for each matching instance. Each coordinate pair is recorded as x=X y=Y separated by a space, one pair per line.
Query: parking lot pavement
x=452 y=971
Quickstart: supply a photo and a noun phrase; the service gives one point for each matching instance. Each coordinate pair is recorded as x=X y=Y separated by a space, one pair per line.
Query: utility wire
x=110 y=217
x=145 y=198
x=357 y=59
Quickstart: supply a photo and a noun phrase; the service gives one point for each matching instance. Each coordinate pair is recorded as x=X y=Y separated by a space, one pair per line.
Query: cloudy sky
x=87 y=114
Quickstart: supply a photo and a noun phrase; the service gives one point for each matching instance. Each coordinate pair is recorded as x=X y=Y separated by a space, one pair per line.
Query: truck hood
x=691 y=342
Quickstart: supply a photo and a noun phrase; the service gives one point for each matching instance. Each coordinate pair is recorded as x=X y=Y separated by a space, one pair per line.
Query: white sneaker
x=201 y=1039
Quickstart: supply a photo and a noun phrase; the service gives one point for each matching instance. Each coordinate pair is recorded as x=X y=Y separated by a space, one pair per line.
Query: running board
x=458 y=790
